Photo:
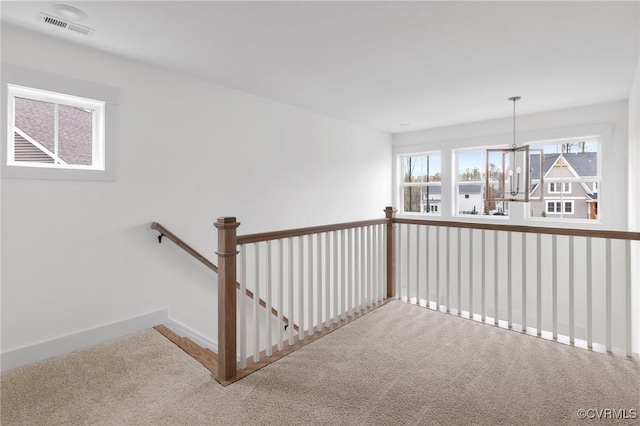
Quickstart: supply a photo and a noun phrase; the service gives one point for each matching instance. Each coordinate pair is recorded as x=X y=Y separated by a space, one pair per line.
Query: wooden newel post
x=227 y=252
x=391 y=253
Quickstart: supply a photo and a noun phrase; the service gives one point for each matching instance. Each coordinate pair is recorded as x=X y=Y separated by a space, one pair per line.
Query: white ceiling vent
x=66 y=25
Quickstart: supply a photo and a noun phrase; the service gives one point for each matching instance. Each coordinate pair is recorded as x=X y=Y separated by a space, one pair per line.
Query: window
x=54 y=130
x=559 y=207
x=560 y=188
x=471 y=183
x=571 y=174
x=421 y=183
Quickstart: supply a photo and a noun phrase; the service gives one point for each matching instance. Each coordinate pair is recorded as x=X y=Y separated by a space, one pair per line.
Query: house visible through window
x=54 y=130
x=571 y=175
x=421 y=183
x=471 y=184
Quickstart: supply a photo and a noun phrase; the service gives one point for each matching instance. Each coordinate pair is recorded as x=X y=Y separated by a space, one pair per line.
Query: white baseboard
x=81 y=340
x=184 y=331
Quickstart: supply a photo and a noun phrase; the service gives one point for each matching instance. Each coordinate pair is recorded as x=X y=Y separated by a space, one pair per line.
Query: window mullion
x=55 y=134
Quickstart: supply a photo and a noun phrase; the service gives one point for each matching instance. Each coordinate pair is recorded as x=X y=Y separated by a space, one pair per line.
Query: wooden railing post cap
x=226 y=222
x=388 y=212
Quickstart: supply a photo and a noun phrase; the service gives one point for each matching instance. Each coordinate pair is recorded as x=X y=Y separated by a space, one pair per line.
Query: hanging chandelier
x=508 y=170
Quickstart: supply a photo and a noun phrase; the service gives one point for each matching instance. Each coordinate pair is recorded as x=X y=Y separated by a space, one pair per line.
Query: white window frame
x=26 y=77
x=403 y=184
x=98 y=126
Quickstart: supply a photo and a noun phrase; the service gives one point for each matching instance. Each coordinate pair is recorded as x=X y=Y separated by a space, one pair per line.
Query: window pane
x=36 y=120
x=470 y=167
x=495 y=166
x=431 y=198
x=421 y=168
x=75 y=135
x=412 y=199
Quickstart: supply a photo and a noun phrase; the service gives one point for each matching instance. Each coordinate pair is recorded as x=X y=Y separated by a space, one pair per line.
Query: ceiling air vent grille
x=70 y=26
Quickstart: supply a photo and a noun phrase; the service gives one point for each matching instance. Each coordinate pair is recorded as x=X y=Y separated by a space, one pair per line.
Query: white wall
x=613 y=193
x=78 y=254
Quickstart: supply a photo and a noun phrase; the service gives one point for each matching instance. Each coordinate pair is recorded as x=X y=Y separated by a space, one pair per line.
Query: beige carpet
x=400 y=364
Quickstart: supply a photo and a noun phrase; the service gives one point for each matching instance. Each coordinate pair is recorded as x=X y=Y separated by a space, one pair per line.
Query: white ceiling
x=381 y=64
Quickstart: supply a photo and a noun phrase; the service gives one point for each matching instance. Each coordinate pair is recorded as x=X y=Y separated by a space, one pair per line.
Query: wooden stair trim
x=209 y=359
x=206 y=357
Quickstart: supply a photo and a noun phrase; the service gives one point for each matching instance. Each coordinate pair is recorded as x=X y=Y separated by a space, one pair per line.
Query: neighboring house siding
x=475 y=200
x=36 y=119
x=75 y=139
x=26 y=151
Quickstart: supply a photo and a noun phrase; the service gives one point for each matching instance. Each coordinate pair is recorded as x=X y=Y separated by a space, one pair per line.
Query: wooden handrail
x=277 y=235
x=186 y=247
x=618 y=235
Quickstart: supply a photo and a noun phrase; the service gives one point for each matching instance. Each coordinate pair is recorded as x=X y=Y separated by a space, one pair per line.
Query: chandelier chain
x=514 y=121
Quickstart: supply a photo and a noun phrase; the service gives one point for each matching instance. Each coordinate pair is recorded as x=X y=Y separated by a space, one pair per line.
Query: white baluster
x=427 y=260
x=571 y=293
x=418 y=265
x=319 y=284
x=496 y=308
x=310 y=282
x=471 y=273
x=438 y=268
x=243 y=310
x=459 y=249
x=350 y=272
x=370 y=265
x=608 y=295
x=327 y=279
x=256 y=305
x=523 y=267
x=627 y=292
x=589 y=264
x=280 y=294
x=447 y=271
x=483 y=280
x=343 y=274
x=554 y=286
x=539 y=284
x=409 y=263
x=335 y=286
x=290 y=284
x=268 y=301
x=301 y=288
x=357 y=262
x=509 y=281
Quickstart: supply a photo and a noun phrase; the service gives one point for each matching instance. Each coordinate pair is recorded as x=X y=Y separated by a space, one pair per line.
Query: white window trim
x=400 y=163
x=25 y=77
x=98 y=118
x=519 y=213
